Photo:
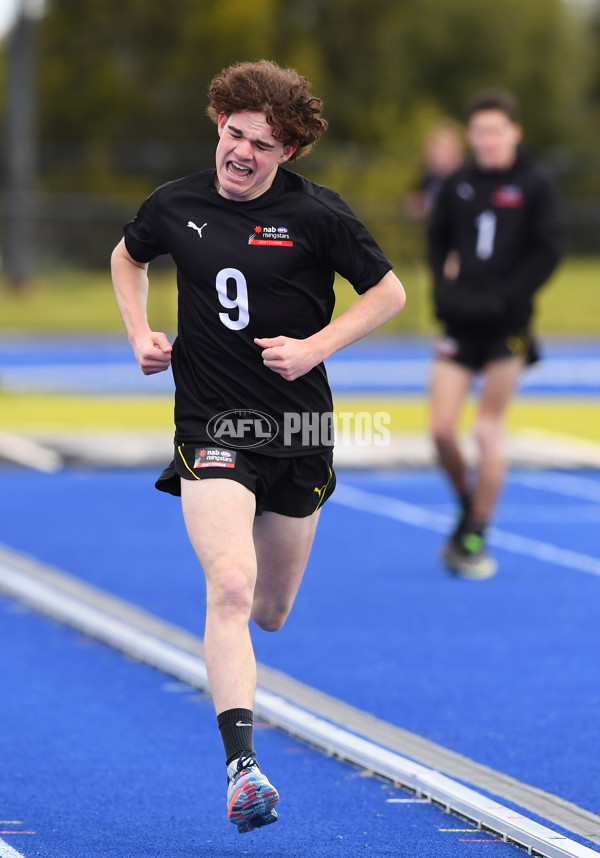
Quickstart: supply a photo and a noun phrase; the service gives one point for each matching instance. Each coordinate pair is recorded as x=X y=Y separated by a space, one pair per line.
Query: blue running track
x=105 y=757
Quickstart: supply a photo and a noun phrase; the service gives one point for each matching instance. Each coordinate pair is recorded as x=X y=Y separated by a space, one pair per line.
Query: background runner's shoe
x=251 y=799
x=467 y=557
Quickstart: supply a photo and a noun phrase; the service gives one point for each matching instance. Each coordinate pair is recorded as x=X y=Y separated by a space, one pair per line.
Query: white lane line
x=563 y=484
x=420 y=517
x=544 y=551
x=7 y=851
x=532 y=513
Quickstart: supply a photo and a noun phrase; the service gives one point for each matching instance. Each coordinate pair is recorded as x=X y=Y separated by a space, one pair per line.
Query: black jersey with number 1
x=503 y=227
x=258 y=268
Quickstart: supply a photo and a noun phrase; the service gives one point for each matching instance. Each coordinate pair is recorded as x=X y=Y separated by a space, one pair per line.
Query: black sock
x=463 y=521
x=465 y=502
x=477 y=526
x=236 y=727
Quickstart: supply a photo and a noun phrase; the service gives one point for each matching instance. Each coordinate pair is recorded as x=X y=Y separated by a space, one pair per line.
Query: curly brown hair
x=281 y=94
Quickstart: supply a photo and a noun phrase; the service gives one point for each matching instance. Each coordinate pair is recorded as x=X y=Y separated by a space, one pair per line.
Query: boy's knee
x=442 y=434
x=268 y=616
x=488 y=431
x=230 y=592
x=269 y=623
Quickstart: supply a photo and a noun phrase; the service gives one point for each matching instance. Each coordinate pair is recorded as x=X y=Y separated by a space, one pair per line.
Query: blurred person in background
x=496 y=220
x=256 y=249
x=443 y=154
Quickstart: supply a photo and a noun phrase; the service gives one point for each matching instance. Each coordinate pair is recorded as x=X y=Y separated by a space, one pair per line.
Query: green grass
x=80 y=302
x=83 y=302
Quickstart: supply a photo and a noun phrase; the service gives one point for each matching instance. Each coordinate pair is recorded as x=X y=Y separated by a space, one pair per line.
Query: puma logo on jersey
x=197 y=228
x=465 y=191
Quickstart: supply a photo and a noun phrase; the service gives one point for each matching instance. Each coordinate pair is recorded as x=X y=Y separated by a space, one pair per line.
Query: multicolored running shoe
x=251 y=799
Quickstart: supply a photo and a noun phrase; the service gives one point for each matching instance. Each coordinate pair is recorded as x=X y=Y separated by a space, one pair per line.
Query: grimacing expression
x=494 y=138
x=247 y=155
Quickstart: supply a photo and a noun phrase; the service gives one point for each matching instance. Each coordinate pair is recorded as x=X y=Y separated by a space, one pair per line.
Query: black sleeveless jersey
x=259 y=268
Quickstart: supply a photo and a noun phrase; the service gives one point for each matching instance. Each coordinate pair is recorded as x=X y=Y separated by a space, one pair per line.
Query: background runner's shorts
x=296 y=485
x=475 y=352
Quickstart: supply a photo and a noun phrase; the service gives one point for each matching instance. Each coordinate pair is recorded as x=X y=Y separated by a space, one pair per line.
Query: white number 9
x=239 y=302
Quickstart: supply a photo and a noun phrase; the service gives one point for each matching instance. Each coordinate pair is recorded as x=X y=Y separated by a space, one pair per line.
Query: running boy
x=256 y=249
x=496 y=218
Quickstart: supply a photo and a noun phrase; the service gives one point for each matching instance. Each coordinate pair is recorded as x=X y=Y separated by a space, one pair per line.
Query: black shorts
x=475 y=352
x=296 y=485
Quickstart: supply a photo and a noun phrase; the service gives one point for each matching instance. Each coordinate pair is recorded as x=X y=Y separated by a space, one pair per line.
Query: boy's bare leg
x=500 y=381
x=219 y=517
x=282 y=546
x=221 y=523
x=450 y=384
x=253 y=568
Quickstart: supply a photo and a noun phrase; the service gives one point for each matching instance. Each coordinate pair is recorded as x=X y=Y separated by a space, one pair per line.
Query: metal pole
x=21 y=156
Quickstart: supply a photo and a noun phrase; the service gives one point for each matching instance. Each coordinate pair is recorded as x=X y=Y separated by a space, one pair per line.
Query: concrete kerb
x=49 y=452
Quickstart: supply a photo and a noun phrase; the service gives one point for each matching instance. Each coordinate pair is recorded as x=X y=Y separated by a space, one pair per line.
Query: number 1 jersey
x=504 y=227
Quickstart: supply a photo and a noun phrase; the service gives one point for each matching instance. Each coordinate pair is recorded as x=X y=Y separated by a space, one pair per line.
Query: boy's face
x=247 y=155
x=494 y=138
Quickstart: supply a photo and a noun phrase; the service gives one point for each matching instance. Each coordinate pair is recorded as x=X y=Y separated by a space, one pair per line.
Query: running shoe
x=465 y=555
x=251 y=799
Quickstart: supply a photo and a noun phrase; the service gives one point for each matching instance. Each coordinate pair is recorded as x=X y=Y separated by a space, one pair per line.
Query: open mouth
x=238 y=170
